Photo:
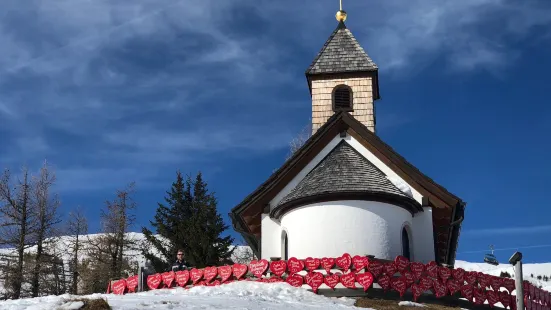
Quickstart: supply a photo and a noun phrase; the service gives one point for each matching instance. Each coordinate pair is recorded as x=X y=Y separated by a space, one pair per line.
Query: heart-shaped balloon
x=495 y=283
x=153 y=281
x=467 y=292
x=196 y=275
x=278 y=267
x=410 y=278
x=459 y=275
x=453 y=286
x=225 y=272
x=505 y=298
x=258 y=267
x=426 y=283
x=365 y=280
x=401 y=263
x=295 y=280
x=332 y=280
x=440 y=289
x=210 y=273
x=168 y=278
x=344 y=262
x=390 y=269
x=417 y=290
x=479 y=296
x=360 y=262
x=444 y=273
x=400 y=285
x=432 y=269
x=132 y=283
x=470 y=277
x=312 y=263
x=375 y=267
x=417 y=269
x=314 y=280
x=493 y=297
x=295 y=265
x=182 y=277
x=239 y=270
x=327 y=263
x=483 y=280
x=384 y=282
x=119 y=287
x=348 y=280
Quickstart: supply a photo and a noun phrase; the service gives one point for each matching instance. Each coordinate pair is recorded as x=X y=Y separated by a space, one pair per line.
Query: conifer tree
x=189 y=220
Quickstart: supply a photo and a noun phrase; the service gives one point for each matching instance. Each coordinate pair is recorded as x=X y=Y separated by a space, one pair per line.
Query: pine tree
x=189 y=220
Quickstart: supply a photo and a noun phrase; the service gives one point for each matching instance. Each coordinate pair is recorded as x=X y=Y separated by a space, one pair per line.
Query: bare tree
x=117 y=219
x=16 y=223
x=45 y=209
x=77 y=226
x=299 y=140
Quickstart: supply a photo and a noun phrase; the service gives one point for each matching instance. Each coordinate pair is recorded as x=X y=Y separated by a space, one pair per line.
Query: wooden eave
x=246 y=216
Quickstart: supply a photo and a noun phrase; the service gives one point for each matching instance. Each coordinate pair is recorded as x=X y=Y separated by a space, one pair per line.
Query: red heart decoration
x=410 y=278
x=505 y=298
x=278 y=267
x=444 y=273
x=417 y=291
x=295 y=265
x=200 y=283
x=182 y=277
x=332 y=280
x=470 y=277
x=426 y=283
x=440 y=289
x=132 y=283
x=344 y=262
x=239 y=270
x=390 y=269
x=401 y=262
x=258 y=267
x=459 y=275
x=348 y=280
x=275 y=279
x=399 y=284
x=119 y=287
x=312 y=263
x=483 y=280
x=536 y=294
x=375 y=267
x=493 y=297
x=153 y=281
x=196 y=275
x=496 y=283
x=225 y=272
x=365 y=279
x=532 y=290
x=295 y=280
x=417 y=269
x=314 y=280
x=360 y=262
x=210 y=273
x=453 y=286
x=432 y=269
x=216 y=283
x=384 y=282
x=479 y=296
x=168 y=278
x=467 y=292
x=327 y=263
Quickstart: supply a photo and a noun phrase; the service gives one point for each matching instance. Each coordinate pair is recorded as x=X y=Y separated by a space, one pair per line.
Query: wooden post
x=518 y=283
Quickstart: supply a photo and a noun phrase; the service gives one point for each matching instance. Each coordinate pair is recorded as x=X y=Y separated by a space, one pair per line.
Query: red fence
x=354 y=273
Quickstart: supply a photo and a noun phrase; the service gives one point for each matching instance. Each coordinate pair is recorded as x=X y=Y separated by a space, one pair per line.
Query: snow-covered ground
x=237 y=295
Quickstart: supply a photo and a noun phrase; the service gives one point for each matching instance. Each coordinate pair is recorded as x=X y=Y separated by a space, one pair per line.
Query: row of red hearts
x=365 y=280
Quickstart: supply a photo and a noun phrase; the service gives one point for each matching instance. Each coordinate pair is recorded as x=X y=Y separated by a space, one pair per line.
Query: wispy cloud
x=526 y=230
x=109 y=85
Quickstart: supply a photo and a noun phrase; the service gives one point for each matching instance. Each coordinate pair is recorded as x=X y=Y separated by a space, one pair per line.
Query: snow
x=237 y=295
x=410 y=304
x=402 y=186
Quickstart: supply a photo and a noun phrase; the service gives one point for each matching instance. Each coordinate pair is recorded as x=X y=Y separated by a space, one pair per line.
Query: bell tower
x=343 y=77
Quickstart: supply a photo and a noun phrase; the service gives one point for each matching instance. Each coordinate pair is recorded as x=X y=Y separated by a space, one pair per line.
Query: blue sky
x=117 y=91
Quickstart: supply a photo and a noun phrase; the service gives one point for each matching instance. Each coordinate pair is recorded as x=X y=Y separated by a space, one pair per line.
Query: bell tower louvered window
x=342 y=98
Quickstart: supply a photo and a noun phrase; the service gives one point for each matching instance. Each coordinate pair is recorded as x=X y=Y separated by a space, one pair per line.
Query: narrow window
x=342 y=98
x=405 y=244
x=284 y=246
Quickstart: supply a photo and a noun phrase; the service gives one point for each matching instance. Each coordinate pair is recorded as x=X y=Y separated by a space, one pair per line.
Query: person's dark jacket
x=179 y=265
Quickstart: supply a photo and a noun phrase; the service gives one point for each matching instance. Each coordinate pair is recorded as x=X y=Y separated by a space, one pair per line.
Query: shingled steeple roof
x=341 y=53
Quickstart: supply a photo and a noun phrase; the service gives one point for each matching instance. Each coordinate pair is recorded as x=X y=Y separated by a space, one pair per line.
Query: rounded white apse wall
x=330 y=229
